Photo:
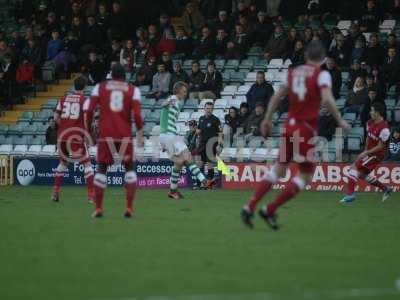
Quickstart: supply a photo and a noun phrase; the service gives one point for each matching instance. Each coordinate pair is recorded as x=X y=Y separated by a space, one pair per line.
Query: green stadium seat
x=26 y=117
x=21 y=140
x=246 y=64
x=51 y=104
x=191 y=104
x=15 y=129
x=148 y=103
x=232 y=64
x=203 y=63
x=3 y=129
x=220 y=64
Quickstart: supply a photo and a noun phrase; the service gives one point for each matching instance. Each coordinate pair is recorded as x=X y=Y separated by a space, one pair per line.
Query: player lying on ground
x=119 y=104
x=71 y=138
x=174 y=144
x=378 y=135
x=307 y=87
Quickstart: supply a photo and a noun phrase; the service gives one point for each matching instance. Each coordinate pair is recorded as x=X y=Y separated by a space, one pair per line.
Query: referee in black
x=210 y=132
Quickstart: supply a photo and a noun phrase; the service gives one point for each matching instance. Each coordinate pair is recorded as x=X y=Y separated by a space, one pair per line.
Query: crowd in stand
x=89 y=36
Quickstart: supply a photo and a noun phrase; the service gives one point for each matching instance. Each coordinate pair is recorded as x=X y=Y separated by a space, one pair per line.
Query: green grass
x=197 y=246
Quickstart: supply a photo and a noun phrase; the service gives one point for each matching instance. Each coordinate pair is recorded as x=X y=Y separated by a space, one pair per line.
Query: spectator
x=353 y=36
x=394 y=10
x=140 y=79
x=366 y=109
x=308 y=35
x=117 y=21
x=184 y=44
x=358 y=52
x=153 y=35
x=78 y=28
x=103 y=20
x=391 y=42
x=166 y=43
x=391 y=69
x=51 y=23
x=263 y=29
x=355 y=72
x=212 y=84
x=297 y=55
x=292 y=39
x=232 y=123
x=8 y=71
x=221 y=43
x=167 y=61
x=374 y=55
x=93 y=69
x=370 y=19
x=51 y=132
x=149 y=68
x=357 y=97
x=25 y=72
x=244 y=113
x=54 y=46
x=178 y=75
x=339 y=52
x=192 y=19
x=33 y=53
x=260 y=92
x=223 y=22
x=128 y=56
x=336 y=75
x=277 y=44
x=113 y=52
x=196 y=79
x=252 y=125
x=238 y=45
x=394 y=146
x=161 y=81
x=192 y=138
x=93 y=36
x=206 y=45
x=210 y=132
x=165 y=24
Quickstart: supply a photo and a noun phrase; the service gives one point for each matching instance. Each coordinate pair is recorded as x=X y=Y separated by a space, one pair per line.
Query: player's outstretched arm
x=329 y=101
x=266 y=124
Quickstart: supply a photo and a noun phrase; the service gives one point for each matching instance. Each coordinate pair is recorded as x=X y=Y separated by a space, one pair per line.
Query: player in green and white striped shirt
x=174 y=144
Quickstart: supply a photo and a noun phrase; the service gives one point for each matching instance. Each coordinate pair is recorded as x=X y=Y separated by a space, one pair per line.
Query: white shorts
x=173 y=144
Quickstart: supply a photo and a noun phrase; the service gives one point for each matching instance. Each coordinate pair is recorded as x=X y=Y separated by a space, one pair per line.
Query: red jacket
x=165 y=45
x=25 y=73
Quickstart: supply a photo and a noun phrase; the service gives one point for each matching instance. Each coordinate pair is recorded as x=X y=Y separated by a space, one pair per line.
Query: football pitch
x=196 y=248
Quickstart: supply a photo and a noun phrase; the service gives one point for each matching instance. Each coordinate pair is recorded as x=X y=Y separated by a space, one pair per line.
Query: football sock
x=100 y=184
x=194 y=169
x=58 y=177
x=130 y=189
x=291 y=190
x=374 y=181
x=353 y=178
x=89 y=177
x=174 y=179
x=262 y=188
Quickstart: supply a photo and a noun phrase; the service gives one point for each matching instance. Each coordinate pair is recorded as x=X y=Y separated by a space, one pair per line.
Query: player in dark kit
x=71 y=138
x=378 y=135
x=119 y=105
x=307 y=87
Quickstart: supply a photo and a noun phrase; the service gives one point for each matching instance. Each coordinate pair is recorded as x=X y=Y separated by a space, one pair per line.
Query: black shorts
x=211 y=153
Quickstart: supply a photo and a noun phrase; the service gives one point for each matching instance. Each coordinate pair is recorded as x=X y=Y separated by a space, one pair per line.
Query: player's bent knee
x=300 y=182
x=61 y=168
x=100 y=180
x=130 y=177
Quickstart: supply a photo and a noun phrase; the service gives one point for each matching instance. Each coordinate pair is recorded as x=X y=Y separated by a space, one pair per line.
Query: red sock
x=263 y=187
x=377 y=183
x=130 y=189
x=351 y=185
x=58 y=178
x=291 y=190
x=100 y=184
x=89 y=176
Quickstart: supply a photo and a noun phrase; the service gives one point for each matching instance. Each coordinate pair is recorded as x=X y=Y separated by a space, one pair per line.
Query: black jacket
x=212 y=82
x=259 y=93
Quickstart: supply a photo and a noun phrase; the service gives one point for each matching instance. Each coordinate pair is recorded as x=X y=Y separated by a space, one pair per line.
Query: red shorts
x=367 y=164
x=73 y=151
x=297 y=145
x=106 y=151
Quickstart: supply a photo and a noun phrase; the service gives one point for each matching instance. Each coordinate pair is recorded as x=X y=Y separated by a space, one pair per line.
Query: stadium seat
x=396 y=114
x=50 y=104
x=144 y=89
x=246 y=64
x=191 y=104
x=42 y=116
x=37 y=140
x=255 y=52
x=21 y=140
x=232 y=64
x=3 y=129
x=203 y=102
x=237 y=78
x=15 y=129
x=196 y=115
x=34 y=150
x=235 y=103
x=6 y=149
x=148 y=103
x=154 y=117
x=349 y=117
x=261 y=65
x=26 y=117
x=220 y=64
x=344 y=24
x=203 y=63
x=155 y=131
x=228 y=153
x=275 y=63
x=184 y=116
x=30 y=129
x=49 y=150
x=20 y=149
x=388 y=24
x=187 y=64
x=220 y=103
